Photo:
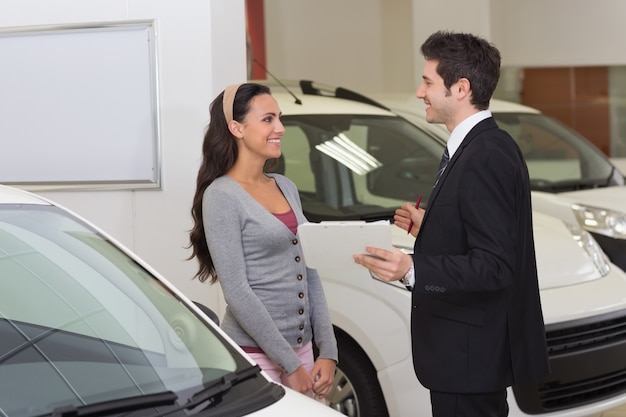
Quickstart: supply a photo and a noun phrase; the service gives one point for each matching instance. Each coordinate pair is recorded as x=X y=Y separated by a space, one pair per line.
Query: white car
x=88 y=329
x=354 y=160
x=589 y=188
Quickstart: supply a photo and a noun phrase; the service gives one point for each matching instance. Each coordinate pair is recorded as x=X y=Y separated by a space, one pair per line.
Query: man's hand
x=405 y=214
x=387 y=265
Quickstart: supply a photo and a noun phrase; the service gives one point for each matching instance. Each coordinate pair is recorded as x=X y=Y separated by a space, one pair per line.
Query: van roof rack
x=308 y=87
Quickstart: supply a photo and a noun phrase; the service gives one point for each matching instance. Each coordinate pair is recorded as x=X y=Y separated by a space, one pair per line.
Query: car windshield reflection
x=357 y=166
x=82 y=323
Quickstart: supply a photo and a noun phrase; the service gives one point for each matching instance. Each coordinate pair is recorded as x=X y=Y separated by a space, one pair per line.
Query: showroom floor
x=617 y=412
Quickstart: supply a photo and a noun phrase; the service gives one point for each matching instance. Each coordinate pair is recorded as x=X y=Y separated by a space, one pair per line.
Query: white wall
x=367 y=45
x=201 y=48
x=325 y=40
x=360 y=44
x=538 y=33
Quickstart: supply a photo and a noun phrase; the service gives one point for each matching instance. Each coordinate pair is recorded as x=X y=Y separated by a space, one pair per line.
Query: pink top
x=289 y=218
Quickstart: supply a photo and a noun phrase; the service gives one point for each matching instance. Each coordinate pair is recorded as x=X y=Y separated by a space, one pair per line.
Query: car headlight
x=602 y=221
x=591 y=247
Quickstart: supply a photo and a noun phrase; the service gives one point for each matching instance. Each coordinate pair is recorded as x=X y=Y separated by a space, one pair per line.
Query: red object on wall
x=255 y=39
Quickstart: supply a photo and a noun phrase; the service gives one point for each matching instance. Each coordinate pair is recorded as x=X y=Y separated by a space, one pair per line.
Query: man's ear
x=462 y=87
x=236 y=129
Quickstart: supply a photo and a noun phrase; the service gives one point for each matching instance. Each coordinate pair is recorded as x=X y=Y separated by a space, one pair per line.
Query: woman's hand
x=300 y=380
x=323 y=374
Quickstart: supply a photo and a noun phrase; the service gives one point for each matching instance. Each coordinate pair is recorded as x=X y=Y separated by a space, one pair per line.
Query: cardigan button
x=294 y=241
x=299 y=340
x=301 y=311
x=301 y=295
x=299 y=277
x=297 y=259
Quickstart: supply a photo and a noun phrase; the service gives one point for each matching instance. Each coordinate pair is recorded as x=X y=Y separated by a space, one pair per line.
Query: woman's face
x=262 y=129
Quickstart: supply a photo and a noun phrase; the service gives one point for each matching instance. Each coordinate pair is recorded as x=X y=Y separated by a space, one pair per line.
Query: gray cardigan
x=274 y=301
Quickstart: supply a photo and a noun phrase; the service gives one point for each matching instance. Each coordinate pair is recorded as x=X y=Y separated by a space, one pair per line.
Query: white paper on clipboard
x=332 y=244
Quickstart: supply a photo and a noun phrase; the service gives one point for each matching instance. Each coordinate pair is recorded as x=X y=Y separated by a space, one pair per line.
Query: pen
x=417 y=205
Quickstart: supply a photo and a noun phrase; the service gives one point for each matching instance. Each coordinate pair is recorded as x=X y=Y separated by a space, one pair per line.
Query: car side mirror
x=210 y=313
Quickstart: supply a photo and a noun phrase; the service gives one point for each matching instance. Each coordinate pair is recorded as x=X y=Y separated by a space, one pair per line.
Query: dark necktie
x=445 y=158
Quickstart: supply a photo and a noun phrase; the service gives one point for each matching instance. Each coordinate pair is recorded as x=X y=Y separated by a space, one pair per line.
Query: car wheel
x=356 y=391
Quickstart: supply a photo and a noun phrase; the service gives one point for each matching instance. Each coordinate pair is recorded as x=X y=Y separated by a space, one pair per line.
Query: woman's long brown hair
x=219 y=153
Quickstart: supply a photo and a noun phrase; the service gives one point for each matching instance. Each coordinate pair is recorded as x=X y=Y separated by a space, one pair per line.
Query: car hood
x=613 y=198
x=560 y=261
x=560 y=205
x=292 y=401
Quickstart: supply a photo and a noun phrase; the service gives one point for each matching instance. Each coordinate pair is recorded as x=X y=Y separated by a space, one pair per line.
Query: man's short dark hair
x=463 y=55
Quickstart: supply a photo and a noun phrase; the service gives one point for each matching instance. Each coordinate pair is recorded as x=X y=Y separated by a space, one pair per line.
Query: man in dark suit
x=476 y=321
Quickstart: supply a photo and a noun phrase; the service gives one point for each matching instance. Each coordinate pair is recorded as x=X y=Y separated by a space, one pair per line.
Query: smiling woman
x=245 y=236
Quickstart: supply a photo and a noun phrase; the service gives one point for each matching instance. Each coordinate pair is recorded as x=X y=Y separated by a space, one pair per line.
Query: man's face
x=438 y=100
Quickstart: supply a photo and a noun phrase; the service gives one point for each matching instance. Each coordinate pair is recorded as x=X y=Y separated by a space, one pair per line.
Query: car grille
x=588 y=363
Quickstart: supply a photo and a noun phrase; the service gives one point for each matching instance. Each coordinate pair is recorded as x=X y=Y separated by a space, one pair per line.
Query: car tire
x=356 y=391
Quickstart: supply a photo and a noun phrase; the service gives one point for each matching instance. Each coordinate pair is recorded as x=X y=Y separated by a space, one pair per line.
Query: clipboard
x=332 y=244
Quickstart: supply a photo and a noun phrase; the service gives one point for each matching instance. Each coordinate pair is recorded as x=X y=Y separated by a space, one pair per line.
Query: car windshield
x=362 y=167
x=82 y=323
x=357 y=167
x=558 y=158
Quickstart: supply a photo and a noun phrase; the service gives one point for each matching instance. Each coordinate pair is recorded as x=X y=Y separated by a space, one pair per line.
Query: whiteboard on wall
x=79 y=106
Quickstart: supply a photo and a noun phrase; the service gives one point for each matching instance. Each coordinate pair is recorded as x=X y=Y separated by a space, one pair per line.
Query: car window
x=81 y=322
x=357 y=166
x=297 y=164
x=558 y=159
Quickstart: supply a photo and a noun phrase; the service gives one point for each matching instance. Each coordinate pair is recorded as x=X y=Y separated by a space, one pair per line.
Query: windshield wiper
x=383 y=214
x=380 y=215
x=212 y=393
x=567 y=185
x=120 y=405
x=215 y=390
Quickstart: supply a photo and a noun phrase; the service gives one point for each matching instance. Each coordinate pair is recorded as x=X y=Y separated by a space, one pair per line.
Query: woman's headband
x=229 y=100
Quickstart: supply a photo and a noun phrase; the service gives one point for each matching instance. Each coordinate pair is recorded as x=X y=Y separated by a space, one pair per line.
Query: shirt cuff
x=409 y=278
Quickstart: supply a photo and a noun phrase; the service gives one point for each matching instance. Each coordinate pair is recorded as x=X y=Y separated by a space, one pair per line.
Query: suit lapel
x=483 y=125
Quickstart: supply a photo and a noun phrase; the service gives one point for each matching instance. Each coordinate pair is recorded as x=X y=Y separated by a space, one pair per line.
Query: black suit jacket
x=476 y=321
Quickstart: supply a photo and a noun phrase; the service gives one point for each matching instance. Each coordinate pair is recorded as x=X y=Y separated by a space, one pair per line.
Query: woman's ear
x=236 y=129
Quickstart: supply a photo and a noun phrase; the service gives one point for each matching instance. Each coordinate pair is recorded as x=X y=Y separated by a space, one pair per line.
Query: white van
x=355 y=160
x=570 y=177
x=88 y=329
